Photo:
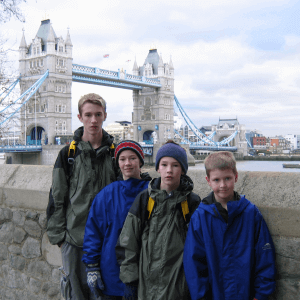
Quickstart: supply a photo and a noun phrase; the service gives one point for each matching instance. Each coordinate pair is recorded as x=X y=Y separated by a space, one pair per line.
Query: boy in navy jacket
x=229 y=252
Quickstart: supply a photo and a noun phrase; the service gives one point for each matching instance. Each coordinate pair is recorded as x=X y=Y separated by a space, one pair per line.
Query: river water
x=263 y=166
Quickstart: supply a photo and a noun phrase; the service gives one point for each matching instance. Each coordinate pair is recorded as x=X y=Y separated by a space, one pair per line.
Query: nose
x=127 y=161
x=222 y=183
x=94 y=119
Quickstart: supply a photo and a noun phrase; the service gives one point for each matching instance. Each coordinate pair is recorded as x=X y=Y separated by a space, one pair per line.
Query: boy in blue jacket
x=229 y=252
x=105 y=221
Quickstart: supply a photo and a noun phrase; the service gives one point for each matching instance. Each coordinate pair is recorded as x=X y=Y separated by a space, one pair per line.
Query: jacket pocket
x=65 y=286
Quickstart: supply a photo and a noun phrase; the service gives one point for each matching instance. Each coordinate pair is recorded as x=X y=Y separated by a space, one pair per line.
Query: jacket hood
x=107 y=139
x=144 y=176
x=234 y=207
x=185 y=187
x=132 y=186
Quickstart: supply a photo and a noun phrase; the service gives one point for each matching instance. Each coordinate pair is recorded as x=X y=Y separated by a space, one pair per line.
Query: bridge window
x=31 y=65
x=167 y=117
x=61 y=49
x=153 y=117
x=42 y=62
x=63 y=108
x=34 y=51
x=142 y=118
x=141 y=102
x=38 y=51
x=59 y=108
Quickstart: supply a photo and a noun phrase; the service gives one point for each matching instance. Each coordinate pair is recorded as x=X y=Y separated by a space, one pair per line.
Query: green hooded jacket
x=75 y=185
x=150 y=247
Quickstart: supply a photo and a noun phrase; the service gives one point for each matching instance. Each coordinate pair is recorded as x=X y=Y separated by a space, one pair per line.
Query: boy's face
x=129 y=164
x=92 y=116
x=222 y=183
x=170 y=171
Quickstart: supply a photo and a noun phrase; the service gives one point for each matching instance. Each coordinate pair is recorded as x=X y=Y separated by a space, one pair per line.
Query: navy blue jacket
x=103 y=227
x=234 y=260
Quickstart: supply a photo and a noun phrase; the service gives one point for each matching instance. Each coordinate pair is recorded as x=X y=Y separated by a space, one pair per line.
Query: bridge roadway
x=117 y=79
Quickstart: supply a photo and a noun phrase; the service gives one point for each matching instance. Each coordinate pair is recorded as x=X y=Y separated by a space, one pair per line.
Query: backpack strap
x=184 y=208
x=71 y=152
x=150 y=206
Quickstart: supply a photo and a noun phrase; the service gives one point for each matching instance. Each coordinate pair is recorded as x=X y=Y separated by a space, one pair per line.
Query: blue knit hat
x=175 y=151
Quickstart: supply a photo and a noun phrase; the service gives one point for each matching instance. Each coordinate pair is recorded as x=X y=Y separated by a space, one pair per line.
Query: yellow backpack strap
x=72 y=148
x=150 y=206
x=185 y=208
x=71 y=153
x=112 y=146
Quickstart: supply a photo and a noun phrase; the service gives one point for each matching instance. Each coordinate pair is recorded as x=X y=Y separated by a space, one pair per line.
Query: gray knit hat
x=172 y=150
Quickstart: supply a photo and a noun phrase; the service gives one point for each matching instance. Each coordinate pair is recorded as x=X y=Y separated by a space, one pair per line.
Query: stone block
x=32 y=228
x=31 y=248
x=15 y=249
x=39 y=270
x=15 y=280
x=43 y=220
x=19 y=235
x=288 y=247
x=5 y=215
x=286 y=289
x=3 y=252
x=17 y=262
x=18 y=218
x=51 y=253
x=56 y=275
x=32 y=215
x=52 y=290
x=6 y=232
x=35 y=285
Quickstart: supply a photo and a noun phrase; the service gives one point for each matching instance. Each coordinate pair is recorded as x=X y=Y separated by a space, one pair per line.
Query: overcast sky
x=232 y=58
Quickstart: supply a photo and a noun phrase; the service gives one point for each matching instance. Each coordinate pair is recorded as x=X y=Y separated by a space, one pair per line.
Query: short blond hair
x=91 y=98
x=220 y=160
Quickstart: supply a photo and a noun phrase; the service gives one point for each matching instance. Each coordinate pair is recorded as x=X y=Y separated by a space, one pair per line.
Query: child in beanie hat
x=106 y=218
x=130 y=145
x=172 y=149
x=154 y=231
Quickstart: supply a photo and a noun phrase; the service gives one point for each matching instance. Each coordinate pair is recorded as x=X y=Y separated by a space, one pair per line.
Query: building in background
x=120 y=130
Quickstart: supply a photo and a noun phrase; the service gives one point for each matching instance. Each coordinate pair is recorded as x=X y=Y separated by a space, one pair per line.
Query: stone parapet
x=29 y=263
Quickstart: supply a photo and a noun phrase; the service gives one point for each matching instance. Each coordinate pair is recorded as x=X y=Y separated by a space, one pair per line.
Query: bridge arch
x=232 y=143
x=35 y=135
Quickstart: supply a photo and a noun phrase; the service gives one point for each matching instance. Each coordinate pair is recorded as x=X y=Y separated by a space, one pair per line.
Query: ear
x=79 y=117
x=208 y=180
x=105 y=116
x=236 y=176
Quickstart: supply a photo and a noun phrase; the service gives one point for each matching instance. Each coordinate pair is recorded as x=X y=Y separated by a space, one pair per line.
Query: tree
x=10 y=8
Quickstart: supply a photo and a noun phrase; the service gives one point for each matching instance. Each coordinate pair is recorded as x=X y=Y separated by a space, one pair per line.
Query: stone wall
x=29 y=264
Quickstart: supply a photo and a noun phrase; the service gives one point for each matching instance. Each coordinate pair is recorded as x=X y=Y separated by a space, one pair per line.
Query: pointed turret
x=171 y=64
x=22 y=54
x=68 y=39
x=160 y=67
x=69 y=44
x=23 y=41
x=135 y=69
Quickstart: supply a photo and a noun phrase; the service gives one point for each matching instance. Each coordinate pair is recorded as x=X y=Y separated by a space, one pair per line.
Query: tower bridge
x=47 y=114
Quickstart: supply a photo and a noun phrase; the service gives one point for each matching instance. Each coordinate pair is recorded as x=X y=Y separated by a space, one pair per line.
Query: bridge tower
x=48 y=111
x=153 y=108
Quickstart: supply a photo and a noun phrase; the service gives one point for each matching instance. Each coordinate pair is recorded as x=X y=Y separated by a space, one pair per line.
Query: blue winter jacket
x=105 y=221
x=234 y=260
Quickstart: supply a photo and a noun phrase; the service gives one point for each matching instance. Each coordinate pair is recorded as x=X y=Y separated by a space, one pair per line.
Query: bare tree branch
x=10 y=8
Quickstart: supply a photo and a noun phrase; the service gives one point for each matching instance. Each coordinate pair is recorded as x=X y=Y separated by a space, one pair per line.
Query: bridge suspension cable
x=9 y=89
x=25 y=97
x=200 y=135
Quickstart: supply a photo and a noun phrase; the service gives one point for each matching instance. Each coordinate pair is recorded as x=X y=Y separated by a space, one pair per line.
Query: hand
x=94 y=279
x=130 y=292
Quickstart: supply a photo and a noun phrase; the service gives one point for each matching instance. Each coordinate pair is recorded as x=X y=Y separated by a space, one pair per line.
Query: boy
x=77 y=179
x=106 y=219
x=150 y=248
x=229 y=253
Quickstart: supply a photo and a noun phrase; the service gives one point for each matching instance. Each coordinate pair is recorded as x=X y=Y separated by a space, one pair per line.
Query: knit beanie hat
x=130 y=145
x=175 y=151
